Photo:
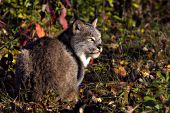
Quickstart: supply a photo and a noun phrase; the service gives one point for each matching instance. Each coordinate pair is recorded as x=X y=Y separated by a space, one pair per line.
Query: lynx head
x=86 y=40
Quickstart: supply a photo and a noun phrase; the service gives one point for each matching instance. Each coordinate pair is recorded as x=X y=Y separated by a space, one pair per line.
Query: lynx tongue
x=91 y=61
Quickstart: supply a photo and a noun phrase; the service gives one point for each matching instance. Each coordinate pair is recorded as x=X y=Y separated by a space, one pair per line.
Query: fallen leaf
x=95 y=99
x=62 y=18
x=120 y=70
x=123 y=62
x=114 y=90
x=23 y=24
x=40 y=31
x=168 y=66
x=145 y=73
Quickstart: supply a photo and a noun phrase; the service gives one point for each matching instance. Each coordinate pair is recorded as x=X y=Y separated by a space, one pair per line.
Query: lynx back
x=57 y=64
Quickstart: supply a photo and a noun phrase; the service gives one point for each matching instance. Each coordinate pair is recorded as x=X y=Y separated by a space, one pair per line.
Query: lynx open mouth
x=95 y=55
x=98 y=51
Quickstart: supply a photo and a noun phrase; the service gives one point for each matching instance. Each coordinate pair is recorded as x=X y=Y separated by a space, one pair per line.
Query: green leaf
x=160 y=92
x=158 y=106
x=160 y=75
x=110 y=2
x=167 y=76
x=147 y=98
x=117 y=17
x=131 y=22
x=135 y=5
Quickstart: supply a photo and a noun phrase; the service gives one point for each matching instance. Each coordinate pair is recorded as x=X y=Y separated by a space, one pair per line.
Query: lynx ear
x=77 y=26
x=94 y=23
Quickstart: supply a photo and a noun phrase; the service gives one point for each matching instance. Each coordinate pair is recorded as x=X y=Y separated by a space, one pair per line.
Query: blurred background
x=132 y=74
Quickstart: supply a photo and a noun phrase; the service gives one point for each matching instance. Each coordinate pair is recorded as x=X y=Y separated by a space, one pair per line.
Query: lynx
x=58 y=63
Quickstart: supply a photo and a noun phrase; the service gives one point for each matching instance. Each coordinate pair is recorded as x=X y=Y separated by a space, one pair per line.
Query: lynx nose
x=100 y=47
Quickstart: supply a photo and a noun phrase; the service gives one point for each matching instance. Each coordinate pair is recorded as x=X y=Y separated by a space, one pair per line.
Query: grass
x=130 y=76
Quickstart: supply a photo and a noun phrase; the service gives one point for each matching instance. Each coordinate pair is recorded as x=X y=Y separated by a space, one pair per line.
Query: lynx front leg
x=71 y=95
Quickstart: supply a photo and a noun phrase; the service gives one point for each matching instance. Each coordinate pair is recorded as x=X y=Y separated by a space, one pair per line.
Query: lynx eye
x=91 y=39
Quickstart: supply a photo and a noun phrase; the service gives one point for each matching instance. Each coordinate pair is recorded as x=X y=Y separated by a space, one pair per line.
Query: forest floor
x=133 y=76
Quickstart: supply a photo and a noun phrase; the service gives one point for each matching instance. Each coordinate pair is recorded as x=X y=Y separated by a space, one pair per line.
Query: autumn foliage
x=133 y=72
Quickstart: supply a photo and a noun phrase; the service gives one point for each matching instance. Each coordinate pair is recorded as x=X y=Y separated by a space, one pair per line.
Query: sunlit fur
x=58 y=64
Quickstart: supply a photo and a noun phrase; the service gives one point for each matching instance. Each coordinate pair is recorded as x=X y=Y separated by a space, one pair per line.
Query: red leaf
x=62 y=18
x=40 y=31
